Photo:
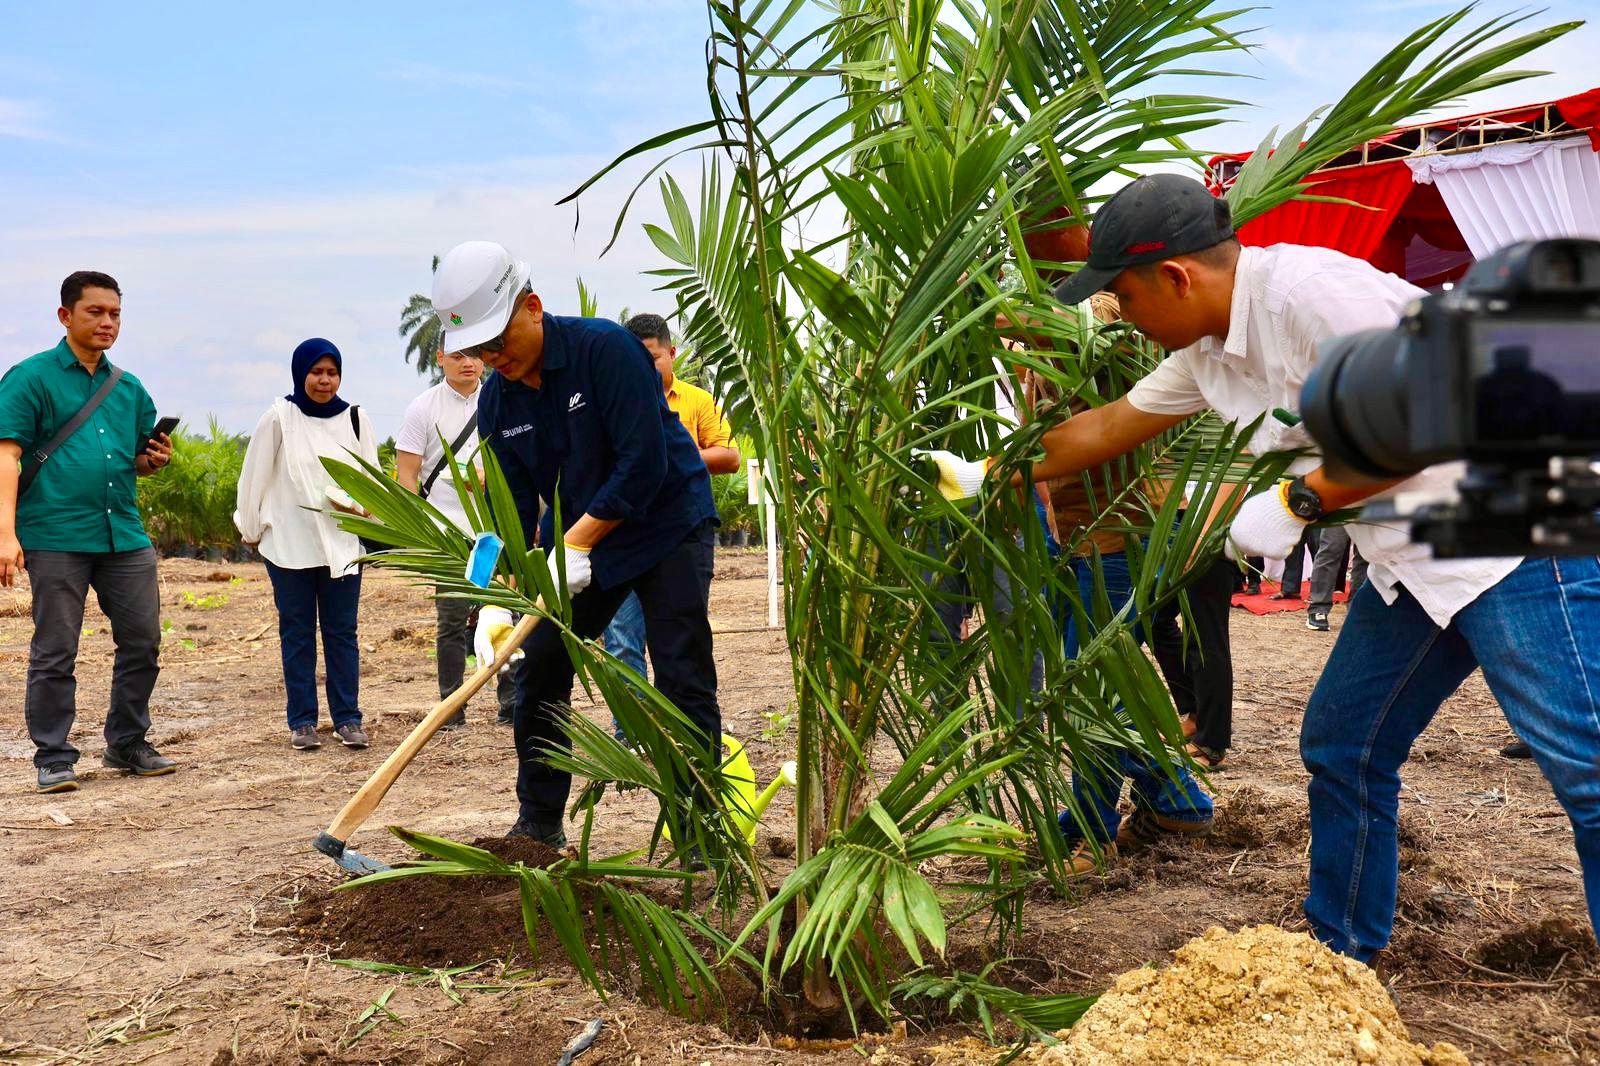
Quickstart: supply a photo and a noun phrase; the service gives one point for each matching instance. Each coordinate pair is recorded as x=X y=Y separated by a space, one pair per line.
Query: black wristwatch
x=1304 y=503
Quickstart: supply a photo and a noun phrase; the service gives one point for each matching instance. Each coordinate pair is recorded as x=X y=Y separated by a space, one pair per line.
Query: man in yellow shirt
x=697 y=410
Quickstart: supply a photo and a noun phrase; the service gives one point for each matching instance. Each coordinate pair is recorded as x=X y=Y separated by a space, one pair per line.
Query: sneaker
x=57 y=777
x=350 y=735
x=1517 y=749
x=1083 y=862
x=1145 y=827
x=1317 y=618
x=139 y=758
x=305 y=738
x=544 y=832
x=455 y=721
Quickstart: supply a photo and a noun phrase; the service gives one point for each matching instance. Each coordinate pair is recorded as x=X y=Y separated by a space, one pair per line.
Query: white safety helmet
x=475 y=291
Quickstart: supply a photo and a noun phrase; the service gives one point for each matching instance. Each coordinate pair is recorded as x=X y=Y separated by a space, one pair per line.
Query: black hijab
x=305 y=357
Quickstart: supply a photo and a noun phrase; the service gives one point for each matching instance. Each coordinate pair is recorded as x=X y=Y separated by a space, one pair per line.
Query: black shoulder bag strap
x=367 y=545
x=30 y=468
x=455 y=448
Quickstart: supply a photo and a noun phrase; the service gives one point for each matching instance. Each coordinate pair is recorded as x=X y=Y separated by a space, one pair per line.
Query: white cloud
x=463 y=79
x=217 y=295
x=1299 y=71
x=26 y=120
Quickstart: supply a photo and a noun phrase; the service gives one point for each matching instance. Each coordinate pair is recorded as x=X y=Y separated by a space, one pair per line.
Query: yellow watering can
x=744 y=806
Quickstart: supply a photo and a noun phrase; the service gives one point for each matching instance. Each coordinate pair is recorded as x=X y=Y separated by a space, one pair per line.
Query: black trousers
x=1201 y=674
x=677 y=632
x=1294 y=567
x=125 y=585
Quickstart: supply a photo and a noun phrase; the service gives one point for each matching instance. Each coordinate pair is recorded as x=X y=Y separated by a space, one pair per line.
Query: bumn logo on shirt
x=575 y=402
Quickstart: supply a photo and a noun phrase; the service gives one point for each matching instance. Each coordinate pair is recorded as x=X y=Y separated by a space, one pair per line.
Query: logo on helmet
x=455 y=319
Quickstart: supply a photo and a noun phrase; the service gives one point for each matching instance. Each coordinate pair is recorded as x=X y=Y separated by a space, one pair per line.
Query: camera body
x=1502 y=371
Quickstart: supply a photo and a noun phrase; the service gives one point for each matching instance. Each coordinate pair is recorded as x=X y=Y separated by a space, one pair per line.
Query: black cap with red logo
x=1156 y=217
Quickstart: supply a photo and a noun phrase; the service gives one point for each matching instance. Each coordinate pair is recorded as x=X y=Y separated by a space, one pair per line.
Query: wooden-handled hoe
x=331 y=841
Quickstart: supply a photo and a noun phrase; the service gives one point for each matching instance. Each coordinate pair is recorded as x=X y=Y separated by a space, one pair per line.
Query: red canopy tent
x=1405 y=226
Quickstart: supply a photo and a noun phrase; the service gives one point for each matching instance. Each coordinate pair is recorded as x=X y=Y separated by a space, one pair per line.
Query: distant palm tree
x=421 y=326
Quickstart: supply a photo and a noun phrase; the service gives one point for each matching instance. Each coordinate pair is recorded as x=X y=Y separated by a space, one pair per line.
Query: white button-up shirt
x=282 y=495
x=441 y=411
x=1287 y=299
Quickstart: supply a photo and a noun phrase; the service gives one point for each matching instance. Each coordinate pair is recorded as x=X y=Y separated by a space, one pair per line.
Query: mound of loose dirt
x=414 y=634
x=1261 y=995
x=1537 y=948
x=427 y=920
x=1249 y=818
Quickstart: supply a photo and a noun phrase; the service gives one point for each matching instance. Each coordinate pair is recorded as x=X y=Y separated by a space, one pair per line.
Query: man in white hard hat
x=577 y=403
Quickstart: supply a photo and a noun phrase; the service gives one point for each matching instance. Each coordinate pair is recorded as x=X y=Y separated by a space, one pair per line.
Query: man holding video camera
x=1243 y=326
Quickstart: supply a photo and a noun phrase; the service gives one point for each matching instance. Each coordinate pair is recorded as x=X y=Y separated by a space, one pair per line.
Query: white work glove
x=959 y=478
x=579 y=572
x=1265 y=526
x=494 y=629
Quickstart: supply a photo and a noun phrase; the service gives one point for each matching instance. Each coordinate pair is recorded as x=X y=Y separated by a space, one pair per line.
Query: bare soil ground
x=184 y=918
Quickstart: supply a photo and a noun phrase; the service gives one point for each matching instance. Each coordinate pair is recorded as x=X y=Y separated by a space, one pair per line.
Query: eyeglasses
x=498 y=343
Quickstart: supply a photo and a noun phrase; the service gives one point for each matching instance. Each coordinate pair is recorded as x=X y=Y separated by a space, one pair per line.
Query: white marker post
x=756 y=495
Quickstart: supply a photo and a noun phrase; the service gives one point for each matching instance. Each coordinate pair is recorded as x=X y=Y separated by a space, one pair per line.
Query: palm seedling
x=866 y=169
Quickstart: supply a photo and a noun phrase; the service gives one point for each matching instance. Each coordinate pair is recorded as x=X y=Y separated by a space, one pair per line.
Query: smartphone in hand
x=163 y=428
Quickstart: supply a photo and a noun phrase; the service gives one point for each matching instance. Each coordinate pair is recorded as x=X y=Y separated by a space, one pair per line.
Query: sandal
x=1210 y=758
x=1190 y=726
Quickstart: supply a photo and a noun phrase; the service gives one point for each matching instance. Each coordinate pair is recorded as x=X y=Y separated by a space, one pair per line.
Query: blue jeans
x=624 y=638
x=1096 y=789
x=305 y=597
x=1536 y=635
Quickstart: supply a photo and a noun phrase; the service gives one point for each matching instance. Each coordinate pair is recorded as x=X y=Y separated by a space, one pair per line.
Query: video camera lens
x=1354 y=405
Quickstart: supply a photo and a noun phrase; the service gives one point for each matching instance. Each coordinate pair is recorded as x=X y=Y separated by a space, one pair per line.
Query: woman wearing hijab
x=283 y=512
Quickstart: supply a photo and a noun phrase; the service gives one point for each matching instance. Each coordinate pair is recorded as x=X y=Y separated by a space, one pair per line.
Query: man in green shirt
x=77 y=525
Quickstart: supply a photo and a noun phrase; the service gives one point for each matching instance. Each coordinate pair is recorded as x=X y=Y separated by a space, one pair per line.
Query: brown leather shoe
x=1083 y=862
x=1144 y=827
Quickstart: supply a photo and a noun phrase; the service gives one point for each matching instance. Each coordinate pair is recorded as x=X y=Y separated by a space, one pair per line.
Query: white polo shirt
x=440 y=411
x=1287 y=299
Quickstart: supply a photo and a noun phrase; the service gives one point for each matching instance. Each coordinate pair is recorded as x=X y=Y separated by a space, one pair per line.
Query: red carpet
x=1264 y=604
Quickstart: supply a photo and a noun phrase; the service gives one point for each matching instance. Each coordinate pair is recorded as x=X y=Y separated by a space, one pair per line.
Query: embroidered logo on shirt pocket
x=576 y=402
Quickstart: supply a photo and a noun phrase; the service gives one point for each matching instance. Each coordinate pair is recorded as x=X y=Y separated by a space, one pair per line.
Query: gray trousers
x=452 y=641
x=124 y=583
x=1332 y=553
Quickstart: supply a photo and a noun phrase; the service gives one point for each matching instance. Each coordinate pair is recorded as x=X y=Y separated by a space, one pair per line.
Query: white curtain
x=1518 y=192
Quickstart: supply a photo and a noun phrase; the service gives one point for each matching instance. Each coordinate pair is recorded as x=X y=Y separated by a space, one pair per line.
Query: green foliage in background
x=189 y=504
x=422 y=332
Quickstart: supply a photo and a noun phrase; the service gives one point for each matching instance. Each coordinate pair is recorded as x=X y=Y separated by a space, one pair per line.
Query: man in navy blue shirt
x=577 y=403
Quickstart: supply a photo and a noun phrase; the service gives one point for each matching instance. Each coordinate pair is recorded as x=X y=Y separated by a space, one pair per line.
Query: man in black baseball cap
x=1157 y=217
x=1243 y=326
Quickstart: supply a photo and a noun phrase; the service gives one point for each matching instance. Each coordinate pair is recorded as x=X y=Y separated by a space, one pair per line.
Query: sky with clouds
x=254 y=176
